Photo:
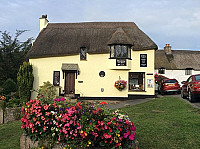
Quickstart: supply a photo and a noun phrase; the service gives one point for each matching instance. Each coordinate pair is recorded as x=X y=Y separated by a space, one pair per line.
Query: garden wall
x=9 y=115
x=27 y=143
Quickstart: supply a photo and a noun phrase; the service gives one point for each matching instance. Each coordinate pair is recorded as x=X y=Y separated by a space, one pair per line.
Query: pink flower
x=23 y=126
x=47 y=113
x=114 y=118
x=46 y=107
x=126 y=134
x=44 y=128
x=23 y=108
x=94 y=134
x=106 y=135
x=42 y=117
x=133 y=127
x=132 y=137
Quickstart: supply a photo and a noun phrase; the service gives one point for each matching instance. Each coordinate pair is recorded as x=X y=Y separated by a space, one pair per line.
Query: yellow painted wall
x=89 y=73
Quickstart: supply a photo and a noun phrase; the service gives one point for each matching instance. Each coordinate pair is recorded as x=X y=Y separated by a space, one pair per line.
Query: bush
x=13 y=102
x=77 y=124
x=9 y=86
x=25 y=81
x=47 y=91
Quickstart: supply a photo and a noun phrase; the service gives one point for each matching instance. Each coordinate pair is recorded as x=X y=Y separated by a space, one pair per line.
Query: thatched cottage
x=86 y=59
x=178 y=64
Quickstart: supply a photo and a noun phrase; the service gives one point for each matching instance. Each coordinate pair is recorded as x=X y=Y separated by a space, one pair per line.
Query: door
x=69 y=82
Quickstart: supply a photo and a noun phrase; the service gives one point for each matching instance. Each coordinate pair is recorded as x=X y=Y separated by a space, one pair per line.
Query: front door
x=69 y=83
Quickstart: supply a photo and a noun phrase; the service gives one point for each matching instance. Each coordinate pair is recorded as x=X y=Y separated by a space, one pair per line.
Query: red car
x=169 y=85
x=191 y=88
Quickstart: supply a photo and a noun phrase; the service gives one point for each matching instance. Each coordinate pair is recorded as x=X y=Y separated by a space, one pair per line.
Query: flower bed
x=76 y=123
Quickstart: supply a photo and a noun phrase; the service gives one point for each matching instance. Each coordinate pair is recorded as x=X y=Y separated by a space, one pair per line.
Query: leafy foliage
x=47 y=91
x=9 y=86
x=12 y=54
x=25 y=81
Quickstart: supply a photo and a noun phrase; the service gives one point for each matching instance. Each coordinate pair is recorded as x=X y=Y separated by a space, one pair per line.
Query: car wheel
x=191 y=97
x=182 y=94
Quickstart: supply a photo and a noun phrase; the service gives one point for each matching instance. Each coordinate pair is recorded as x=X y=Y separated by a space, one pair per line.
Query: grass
x=163 y=123
x=166 y=123
x=10 y=135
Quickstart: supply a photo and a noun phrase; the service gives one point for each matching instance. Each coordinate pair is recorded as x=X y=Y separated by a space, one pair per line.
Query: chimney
x=43 y=22
x=167 y=49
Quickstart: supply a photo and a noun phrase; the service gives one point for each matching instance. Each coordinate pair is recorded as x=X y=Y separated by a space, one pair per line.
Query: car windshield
x=197 y=77
x=170 y=81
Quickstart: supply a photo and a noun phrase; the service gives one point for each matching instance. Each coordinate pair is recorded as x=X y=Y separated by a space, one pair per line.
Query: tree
x=12 y=54
x=25 y=81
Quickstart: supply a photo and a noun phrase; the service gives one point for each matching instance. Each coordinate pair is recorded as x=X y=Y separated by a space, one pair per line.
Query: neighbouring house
x=178 y=64
x=86 y=59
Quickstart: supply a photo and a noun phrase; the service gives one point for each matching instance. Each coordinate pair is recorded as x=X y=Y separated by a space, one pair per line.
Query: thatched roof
x=59 y=39
x=182 y=59
x=120 y=37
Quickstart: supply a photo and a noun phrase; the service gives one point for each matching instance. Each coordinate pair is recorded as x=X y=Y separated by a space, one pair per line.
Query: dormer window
x=120 y=52
x=83 y=53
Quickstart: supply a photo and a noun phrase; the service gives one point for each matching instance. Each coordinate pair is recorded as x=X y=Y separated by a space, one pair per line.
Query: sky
x=174 y=22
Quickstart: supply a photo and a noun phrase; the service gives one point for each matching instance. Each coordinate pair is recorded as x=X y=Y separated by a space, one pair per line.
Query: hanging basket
x=120 y=84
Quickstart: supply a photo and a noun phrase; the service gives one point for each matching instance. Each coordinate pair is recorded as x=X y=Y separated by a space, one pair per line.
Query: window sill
x=137 y=91
x=119 y=58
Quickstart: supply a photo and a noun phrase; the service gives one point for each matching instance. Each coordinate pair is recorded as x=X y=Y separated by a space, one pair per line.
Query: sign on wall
x=143 y=60
x=150 y=83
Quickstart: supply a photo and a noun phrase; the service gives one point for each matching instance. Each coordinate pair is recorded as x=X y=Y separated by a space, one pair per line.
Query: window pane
x=117 y=51
x=129 y=52
x=161 y=71
x=188 y=72
x=56 y=78
x=136 y=81
x=112 y=54
x=120 y=62
x=197 y=77
x=83 y=53
x=124 y=52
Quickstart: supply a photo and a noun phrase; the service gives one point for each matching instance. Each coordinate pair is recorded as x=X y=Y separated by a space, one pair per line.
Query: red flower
x=103 y=103
x=118 y=144
x=78 y=105
x=106 y=135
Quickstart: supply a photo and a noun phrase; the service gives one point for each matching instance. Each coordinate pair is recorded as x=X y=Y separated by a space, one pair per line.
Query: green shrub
x=25 y=81
x=47 y=91
x=9 y=86
x=13 y=102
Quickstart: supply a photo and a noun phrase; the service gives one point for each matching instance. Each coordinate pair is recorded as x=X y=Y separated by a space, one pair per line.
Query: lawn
x=10 y=135
x=163 y=123
x=166 y=123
